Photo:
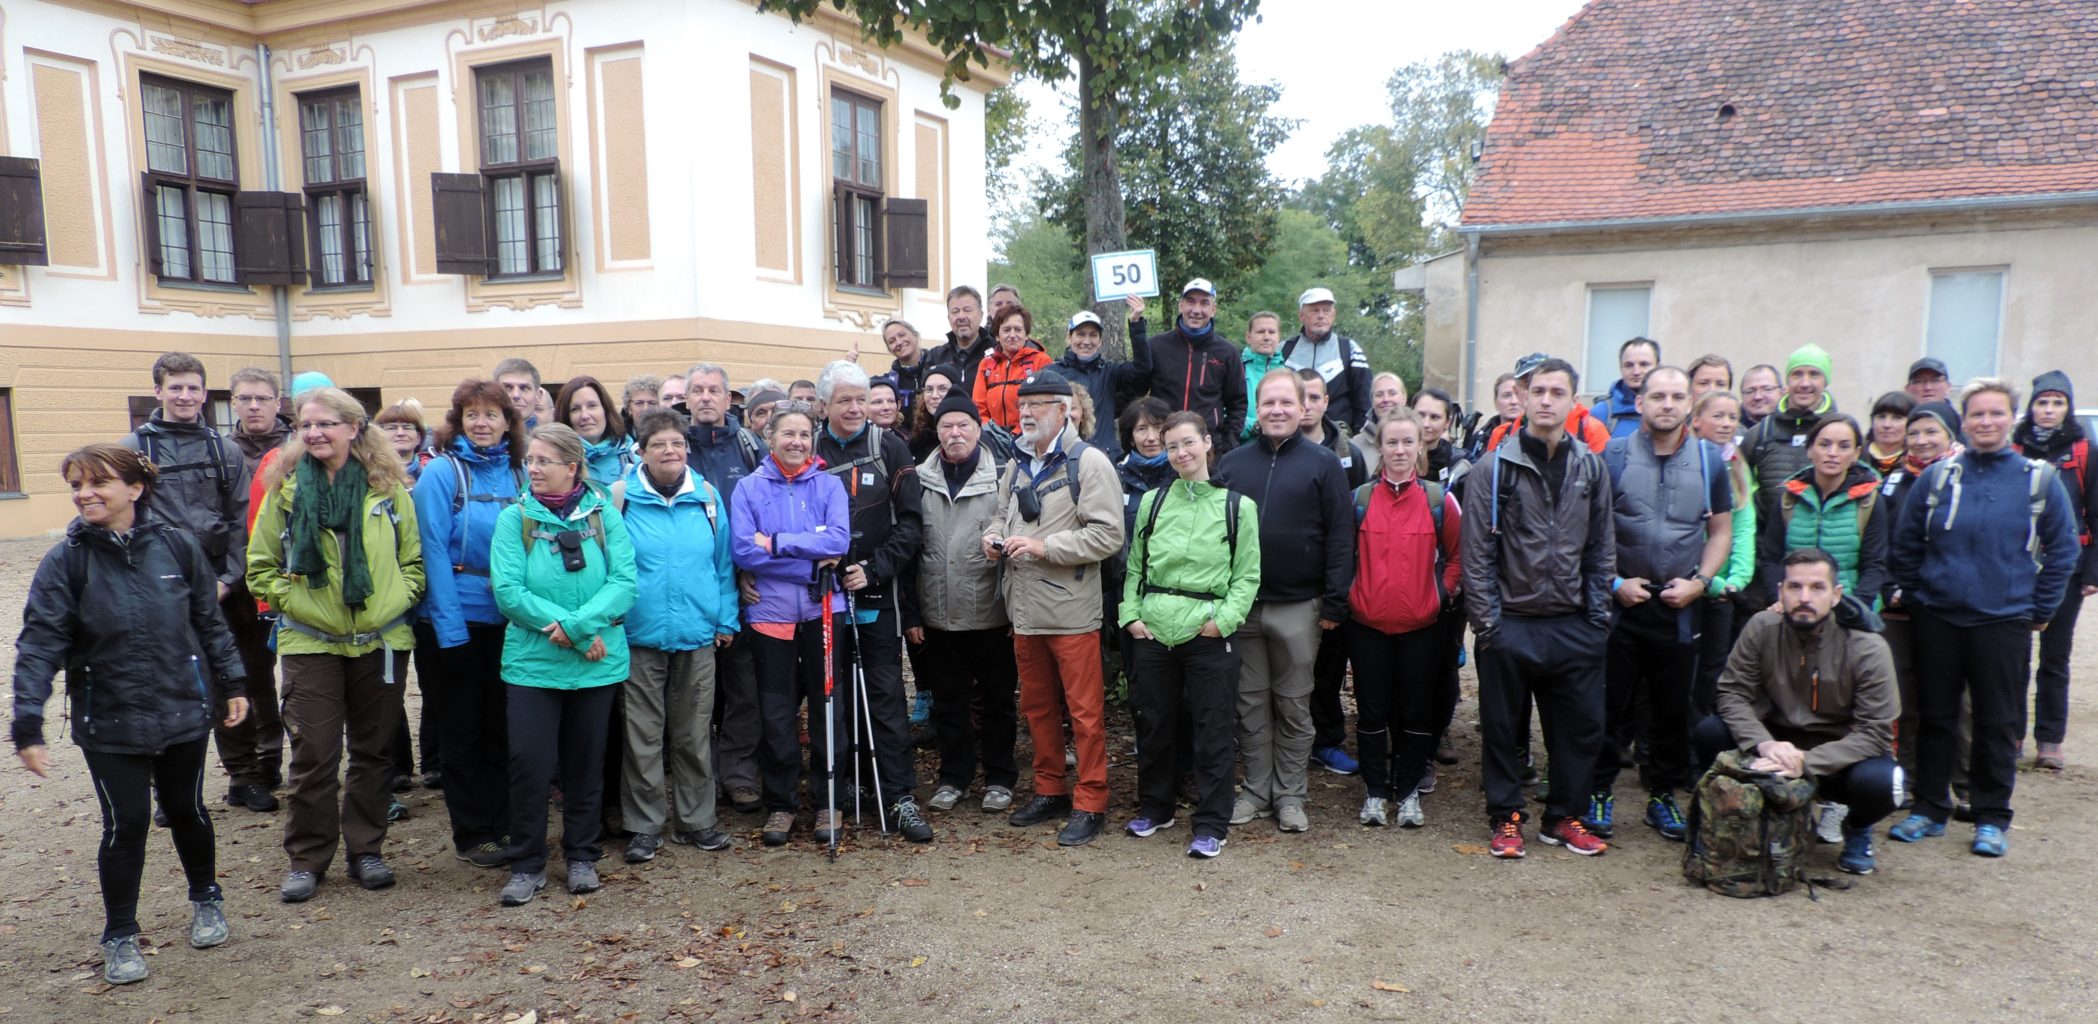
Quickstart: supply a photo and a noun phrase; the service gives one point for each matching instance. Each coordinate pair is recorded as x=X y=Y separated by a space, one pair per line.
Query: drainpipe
x=1471 y=319
x=273 y=180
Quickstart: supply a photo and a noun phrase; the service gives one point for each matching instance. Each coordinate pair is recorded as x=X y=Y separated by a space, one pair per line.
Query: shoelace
x=1573 y=828
x=1509 y=829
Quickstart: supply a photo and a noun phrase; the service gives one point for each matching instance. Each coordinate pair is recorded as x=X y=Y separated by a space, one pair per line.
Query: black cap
x=956 y=402
x=1045 y=381
x=1936 y=366
x=1943 y=412
x=1528 y=364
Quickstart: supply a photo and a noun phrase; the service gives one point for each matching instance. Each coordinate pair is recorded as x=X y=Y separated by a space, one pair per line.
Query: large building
x=399 y=193
x=1888 y=178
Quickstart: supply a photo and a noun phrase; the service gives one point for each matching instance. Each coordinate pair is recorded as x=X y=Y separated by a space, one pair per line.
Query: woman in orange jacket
x=1010 y=361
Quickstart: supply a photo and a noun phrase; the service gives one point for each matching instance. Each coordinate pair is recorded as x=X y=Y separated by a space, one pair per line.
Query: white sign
x=1121 y=274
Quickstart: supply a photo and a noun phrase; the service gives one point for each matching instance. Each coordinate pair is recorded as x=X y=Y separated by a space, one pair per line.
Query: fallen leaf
x=788 y=996
x=418 y=972
x=1201 y=886
x=462 y=1004
x=578 y=903
x=1274 y=931
x=788 y=906
x=1389 y=986
x=914 y=882
x=528 y=1017
x=534 y=969
x=917 y=961
x=513 y=947
x=330 y=1011
x=1317 y=1003
x=688 y=963
x=1468 y=849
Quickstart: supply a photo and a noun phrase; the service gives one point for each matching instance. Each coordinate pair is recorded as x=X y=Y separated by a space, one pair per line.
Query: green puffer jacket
x=393 y=549
x=1832 y=524
x=1180 y=551
x=533 y=589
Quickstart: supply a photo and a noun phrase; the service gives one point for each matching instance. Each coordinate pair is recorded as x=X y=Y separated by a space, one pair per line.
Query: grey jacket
x=202 y=487
x=1662 y=505
x=1525 y=555
x=957 y=585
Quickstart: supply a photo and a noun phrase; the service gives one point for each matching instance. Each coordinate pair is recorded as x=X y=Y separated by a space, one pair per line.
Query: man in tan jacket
x=1059 y=516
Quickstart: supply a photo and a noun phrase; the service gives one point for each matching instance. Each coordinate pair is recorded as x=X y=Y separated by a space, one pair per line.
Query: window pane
x=1615 y=316
x=360 y=239
x=840 y=138
x=166 y=150
x=870 y=146
x=315 y=138
x=214 y=127
x=539 y=115
x=174 y=231
x=511 y=254
x=863 y=241
x=328 y=214
x=1966 y=321
x=349 y=133
x=546 y=209
x=498 y=120
x=215 y=235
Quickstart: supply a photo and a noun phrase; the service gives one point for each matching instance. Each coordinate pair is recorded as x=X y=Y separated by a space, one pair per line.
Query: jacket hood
x=1252 y=359
x=158 y=423
x=1788 y=414
x=769 y=469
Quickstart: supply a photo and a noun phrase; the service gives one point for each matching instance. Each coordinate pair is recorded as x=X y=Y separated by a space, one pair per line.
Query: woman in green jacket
x=1832 y=504
x=1716 y=417
x=562 y=570
x=335 y=552
x=1182 y=604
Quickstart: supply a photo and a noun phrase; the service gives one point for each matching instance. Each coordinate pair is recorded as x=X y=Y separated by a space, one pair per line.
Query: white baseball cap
x=1086 y=316
x=1200 y=284
x=1312 y=295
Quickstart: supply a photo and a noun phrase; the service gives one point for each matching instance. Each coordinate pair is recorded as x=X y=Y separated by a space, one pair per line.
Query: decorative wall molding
x=508 y=25
x=317 y=57
x=188 y=49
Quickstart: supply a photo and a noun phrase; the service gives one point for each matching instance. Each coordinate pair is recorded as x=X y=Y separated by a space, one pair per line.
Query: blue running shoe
x=1142 y=826
x=1663 y=816
x=1915 y=828
x=1988 y=840
x=1205 y=847
x=921 y=708
x=1335 y=760
x=1856 y=857
x=1601 y=818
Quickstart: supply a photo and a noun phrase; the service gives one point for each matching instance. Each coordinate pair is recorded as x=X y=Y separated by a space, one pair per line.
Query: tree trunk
x=1098 y=113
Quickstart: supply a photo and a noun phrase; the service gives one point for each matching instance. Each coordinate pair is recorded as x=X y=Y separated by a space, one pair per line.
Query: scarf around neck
x=319 y=506
x=562 y=504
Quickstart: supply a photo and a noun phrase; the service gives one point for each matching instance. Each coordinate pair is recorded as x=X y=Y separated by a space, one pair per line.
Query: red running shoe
x=1573 y=835
x=1507 y=842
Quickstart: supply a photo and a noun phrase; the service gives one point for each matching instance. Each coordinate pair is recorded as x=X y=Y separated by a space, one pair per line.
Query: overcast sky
x=1332 y=58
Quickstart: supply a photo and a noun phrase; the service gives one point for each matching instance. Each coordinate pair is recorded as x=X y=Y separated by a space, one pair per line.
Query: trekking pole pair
x=825 y=584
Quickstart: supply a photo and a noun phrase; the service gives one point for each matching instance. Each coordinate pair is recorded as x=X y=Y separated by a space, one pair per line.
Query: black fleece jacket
x=1307 y=519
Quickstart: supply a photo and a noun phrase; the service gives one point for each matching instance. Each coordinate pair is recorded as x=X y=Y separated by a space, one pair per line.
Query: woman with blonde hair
x=335 y=551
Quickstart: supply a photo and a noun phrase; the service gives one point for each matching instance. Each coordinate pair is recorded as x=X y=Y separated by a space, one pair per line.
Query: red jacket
x=1395 y=589
x=997 y=388
x=1592 y=432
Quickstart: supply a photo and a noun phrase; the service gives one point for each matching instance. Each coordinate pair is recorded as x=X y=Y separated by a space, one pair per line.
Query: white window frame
x=1595 y=381
x=2003 y=300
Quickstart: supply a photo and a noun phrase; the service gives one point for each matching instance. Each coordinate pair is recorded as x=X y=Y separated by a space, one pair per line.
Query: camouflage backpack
x=1749 y=830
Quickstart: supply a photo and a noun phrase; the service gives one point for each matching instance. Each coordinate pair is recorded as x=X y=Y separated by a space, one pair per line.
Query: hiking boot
x=1601 y=818
x=403 y=783
x=298 y=886
x=1244 y=810
x=522 y=886
x=1856 y=857
x=997 y=799
x=1143 y=826
x=1205 y=847
x=1573 y=834
x=1507 y=841
x=486 y=855
x=904 y=818
x=1290 y=818
x=160 y=818
x=582 y=877
x=2050 y=758
x=1446 y=752
x=944 y=798
x=712 y=840
x=1427 y=782
x=1335 y=760
x=1082 y=828
x=1915 y=828
x=642 y=848
x=829 y=825
x=1376 y=812
x=1663 y=816
x=778 y=826
x=122 y=963
x=1989 y=841
x=1410 y=815
x=1828 y=825
x=1070 y=759
x=921 y=708
x=1040 y=809
x=746 y=800
x=370 y=871
x=433 y=780
x=255 y=798
x=207 y=923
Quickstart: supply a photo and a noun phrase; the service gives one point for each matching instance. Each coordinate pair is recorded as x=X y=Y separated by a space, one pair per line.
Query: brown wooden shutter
x=904 y=228
x=10 y=470
x=459 y=206
x=269 y=238
x=840 y=232
x=22 y=212
x=150 y=217
x=141 y=408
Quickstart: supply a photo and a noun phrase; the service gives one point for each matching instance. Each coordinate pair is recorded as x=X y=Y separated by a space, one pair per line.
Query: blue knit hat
x=308 y=381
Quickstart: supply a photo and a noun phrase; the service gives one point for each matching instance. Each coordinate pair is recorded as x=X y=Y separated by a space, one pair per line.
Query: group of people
x=705 y=590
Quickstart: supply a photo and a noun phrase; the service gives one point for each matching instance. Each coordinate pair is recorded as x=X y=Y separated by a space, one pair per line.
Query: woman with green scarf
x=335 y=552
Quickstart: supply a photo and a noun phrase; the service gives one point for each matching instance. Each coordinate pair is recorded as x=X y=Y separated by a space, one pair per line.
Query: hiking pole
x=859 y=683
x=821 y=586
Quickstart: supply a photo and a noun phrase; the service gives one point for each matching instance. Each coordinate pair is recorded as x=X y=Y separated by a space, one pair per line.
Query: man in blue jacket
x=722 y=453
x=1619 y=410
x=1983 y=552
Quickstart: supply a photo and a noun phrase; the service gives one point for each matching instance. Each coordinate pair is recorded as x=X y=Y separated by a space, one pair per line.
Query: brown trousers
x=329 y=699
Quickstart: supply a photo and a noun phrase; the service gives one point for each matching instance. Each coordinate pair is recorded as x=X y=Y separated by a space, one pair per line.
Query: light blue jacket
x=455 y=545
x=609 y=460
x=686 y=571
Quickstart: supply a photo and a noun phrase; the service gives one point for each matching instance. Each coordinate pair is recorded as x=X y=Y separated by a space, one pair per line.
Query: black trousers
x=2050 y=706
x=973 y=680
x=879 y=652
x=1559 y=662
x=252 y=752
x=429 y=666
x=1989 y=665
x=1329 y=727
x=1652 y=666
x=739 y=720
x=1398 y=692
x=476 y=728
x=549 y=727
x=124 y=785
x=1451 y=623
x=790 y=672
x=1715 y=643
x=1197 y=680
x=1870 y=788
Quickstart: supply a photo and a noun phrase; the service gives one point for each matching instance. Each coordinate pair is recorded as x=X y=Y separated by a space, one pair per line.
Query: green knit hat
x=1810 y=355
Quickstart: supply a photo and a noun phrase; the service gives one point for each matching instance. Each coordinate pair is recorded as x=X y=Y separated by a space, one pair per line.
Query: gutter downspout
x=273 y=180
x=1471 y=319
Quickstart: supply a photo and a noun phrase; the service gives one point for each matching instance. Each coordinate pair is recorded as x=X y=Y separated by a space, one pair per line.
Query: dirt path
x=995 y=924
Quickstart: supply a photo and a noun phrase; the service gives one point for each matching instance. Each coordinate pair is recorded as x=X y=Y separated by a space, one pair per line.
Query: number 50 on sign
x=1121 y=274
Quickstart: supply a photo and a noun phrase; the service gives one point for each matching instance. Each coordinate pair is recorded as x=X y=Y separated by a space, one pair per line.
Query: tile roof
x=1659 y=108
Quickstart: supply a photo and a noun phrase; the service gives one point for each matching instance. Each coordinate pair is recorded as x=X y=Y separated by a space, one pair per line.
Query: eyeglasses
x=535 y=462
x=321 y=425
x=1767 y=389
x=676 y=444
x=401 y=425
x=1040 y=404
x=254 y=400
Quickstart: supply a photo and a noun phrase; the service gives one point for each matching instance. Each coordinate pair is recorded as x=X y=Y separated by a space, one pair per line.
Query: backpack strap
x=2040 y=477
x=1143 y=572
x=593 y=526
x=2079 y=463
x=1614 y=458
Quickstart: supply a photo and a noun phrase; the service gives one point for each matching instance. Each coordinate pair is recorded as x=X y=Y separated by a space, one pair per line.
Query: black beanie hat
x=950 y=371
x=956 y=402
x=1941 y=411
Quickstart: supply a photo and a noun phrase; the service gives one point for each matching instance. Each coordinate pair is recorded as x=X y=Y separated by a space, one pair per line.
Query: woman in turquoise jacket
x=562 y=570
x=687 y=609
x=585 y=406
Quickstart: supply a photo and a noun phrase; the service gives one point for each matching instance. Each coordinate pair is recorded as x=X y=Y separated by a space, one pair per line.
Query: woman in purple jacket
x=787 y=517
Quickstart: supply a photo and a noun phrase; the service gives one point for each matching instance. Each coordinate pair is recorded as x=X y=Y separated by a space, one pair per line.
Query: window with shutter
x=21 y=212
x=520 y=169
x=458 y=206
x=338 y=210
x=190 y=182
x=856 y=190
x=269 y=237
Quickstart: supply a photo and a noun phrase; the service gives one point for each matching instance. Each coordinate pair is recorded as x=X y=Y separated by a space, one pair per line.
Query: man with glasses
x=723 y=453
x=253 y=751
x=1760 y=390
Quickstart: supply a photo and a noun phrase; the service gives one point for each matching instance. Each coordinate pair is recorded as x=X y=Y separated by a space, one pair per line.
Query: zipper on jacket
x=196 y=669
x=87 y=697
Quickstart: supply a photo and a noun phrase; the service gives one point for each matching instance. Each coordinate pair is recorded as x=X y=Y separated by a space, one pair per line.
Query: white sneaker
x=1244 y=811
x=1290 y=818
x=1376 y=812
x=1410 y=815
x=945 y=798
x=1828 y=827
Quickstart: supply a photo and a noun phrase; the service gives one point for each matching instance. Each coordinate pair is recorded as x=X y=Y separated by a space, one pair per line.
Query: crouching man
x=1810 y=689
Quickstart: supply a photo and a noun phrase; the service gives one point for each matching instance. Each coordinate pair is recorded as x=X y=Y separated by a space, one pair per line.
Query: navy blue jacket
x=1112 y=386
x=1966 y=559
x=722 y=455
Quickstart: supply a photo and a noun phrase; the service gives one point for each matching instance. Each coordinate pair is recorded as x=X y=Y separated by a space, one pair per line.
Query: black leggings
x=123 y=785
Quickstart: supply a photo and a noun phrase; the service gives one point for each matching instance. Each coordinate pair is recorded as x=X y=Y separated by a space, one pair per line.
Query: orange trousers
x=1059 y=675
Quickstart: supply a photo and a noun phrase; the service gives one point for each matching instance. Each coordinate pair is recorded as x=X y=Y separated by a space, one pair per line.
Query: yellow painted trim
x=792 y=104
x=410 y=190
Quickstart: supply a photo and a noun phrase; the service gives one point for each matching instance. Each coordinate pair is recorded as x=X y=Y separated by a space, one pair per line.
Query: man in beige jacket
x=1059 y=516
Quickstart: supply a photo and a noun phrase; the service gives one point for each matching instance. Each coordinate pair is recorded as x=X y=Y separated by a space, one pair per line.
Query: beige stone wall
x=1442 y=356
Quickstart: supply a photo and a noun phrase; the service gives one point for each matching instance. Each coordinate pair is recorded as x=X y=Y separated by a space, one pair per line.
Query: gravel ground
x=997 y=924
